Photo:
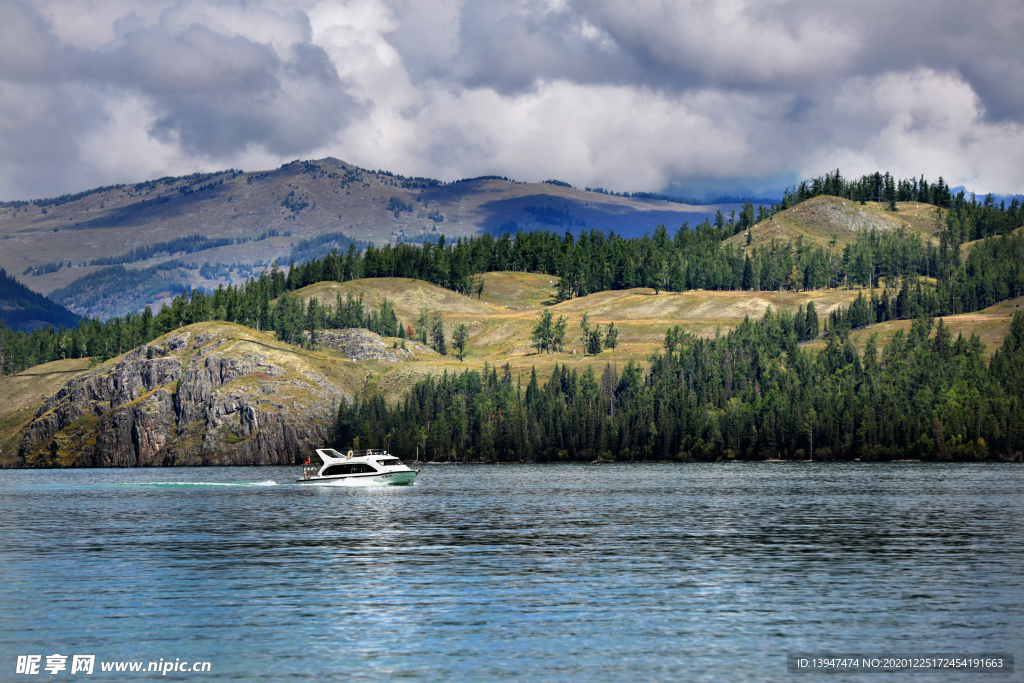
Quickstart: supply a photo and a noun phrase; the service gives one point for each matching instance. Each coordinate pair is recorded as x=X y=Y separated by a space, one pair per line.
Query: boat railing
x=365 y=453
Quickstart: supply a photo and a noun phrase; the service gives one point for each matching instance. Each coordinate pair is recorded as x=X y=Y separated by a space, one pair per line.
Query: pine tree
x=591 y=337
x=811 y=321
x=437 y=334
x=314 y=320
x=459 y=340
x=421 y=325
x=558 y=333
x=611 y=338
x=540 y=337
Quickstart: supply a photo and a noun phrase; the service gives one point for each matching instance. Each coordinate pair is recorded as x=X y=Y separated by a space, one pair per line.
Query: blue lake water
x=697 y=572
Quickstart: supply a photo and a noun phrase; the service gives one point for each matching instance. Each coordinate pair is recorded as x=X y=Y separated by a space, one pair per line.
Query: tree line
x=753 y=393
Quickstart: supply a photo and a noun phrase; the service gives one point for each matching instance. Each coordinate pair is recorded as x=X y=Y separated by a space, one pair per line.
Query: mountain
x=22 y=309
x=208 y=229
x=997 y=198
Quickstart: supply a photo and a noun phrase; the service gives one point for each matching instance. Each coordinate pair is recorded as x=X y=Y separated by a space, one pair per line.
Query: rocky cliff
x=212 y=393
x=359 y=344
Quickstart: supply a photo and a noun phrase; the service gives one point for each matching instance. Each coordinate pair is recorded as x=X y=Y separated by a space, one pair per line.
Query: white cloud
x=627 y=96
x=925 y=122
x=607 y=135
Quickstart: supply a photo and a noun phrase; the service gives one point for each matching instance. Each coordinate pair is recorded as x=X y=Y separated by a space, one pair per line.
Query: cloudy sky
x=691 y=95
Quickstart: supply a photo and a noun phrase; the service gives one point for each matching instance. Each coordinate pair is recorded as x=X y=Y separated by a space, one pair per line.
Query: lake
x=588 y=572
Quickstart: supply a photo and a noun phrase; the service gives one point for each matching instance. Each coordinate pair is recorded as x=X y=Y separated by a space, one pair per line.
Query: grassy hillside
x=22 y=394
x=500 y=327
x=991 y=324
x=832 y=222
x=966 y=247
x=519 y=290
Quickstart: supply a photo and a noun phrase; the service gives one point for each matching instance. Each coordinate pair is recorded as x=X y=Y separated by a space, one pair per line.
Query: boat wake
x=360 y=483
x=268 y=482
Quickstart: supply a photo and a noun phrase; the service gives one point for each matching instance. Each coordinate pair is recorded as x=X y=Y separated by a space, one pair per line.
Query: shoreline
x=516 y=462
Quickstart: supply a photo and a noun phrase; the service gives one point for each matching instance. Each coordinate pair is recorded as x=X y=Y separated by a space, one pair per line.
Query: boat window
x=362 y=468
x=391 y=462
x=338 y=469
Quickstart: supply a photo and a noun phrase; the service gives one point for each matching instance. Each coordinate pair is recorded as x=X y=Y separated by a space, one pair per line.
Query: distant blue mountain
x=981 y=197
x=22 y=309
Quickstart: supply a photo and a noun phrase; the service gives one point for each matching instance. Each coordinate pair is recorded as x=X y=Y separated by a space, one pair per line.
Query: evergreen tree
x=437 y=334
x=611 y=339
x=558 y=333
x=591 y=336
x=314 y=321
x=540 y=337
x=459 y=340
x=811 y=321
x=422 y=323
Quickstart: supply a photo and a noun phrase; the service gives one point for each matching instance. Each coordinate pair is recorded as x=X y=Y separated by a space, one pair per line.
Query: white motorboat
x=373 y=466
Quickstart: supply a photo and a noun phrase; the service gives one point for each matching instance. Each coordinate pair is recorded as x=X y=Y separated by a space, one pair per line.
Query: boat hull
x=380 y=479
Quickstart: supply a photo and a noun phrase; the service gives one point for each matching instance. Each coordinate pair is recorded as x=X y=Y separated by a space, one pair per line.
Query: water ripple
x=525 y=572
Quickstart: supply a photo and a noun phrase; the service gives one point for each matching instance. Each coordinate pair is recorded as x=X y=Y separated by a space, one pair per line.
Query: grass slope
x=500 y=327
x=991 y=324
x=966 y=247
x=22 y=394
x=519 y=290
x=833 y=222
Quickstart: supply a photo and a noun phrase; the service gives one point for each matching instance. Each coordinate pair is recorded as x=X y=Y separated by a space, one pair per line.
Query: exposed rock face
x=851 y=217
x=216 y=400
x=360 y=344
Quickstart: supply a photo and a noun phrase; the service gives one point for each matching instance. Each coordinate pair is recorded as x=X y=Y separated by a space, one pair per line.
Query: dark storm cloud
x=980 y=41
x=910 y=84
x=40 y=127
